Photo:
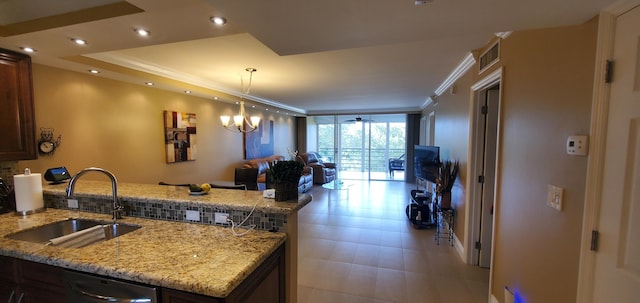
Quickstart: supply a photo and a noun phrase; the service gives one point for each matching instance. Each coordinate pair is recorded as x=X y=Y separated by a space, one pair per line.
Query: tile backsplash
x=174 y=212
x=8 y=169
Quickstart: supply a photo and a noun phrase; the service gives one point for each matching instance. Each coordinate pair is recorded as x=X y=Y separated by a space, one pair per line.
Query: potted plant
x=285 y=175
x=447 y=175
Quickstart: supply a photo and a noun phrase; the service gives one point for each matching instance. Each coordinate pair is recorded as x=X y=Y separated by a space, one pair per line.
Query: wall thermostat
x=578 y=145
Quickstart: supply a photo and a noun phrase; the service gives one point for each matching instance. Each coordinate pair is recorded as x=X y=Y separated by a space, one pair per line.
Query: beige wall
x=547 y=85
x=452 y=135
x=119 y=126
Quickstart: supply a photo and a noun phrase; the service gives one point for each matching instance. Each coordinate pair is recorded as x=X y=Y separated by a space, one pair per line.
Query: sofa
x=253 y=174
x=323 y=172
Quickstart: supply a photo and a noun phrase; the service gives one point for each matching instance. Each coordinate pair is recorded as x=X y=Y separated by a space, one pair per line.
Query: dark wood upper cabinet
x=17 y=123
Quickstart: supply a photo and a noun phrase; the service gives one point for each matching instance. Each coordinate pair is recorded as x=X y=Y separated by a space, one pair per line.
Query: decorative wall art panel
x=259 y=143
x=180 y=136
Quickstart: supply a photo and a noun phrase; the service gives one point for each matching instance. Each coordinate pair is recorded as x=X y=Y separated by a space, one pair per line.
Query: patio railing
x=358 y=159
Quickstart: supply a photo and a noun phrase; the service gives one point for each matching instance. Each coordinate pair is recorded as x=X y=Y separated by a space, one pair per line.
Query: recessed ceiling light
x=94 y=71
x=28 y=49
x=149 y=83
x=215 y=98
x=142 y=32
x=218 y=20
x=187 y=91
x=79 y=41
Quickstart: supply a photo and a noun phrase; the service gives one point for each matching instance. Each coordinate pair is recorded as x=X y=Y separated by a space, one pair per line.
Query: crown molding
x=467 y=62
x=503 y=35
x=620 y=7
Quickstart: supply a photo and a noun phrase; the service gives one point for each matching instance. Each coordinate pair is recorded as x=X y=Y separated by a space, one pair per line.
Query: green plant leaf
x=285 y=171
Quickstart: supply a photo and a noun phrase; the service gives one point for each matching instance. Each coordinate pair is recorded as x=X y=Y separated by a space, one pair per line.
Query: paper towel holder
x=22 y=189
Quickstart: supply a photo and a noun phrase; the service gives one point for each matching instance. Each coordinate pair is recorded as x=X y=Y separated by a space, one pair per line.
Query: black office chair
x=165 y=183
x=247 y=177
x=238 y=186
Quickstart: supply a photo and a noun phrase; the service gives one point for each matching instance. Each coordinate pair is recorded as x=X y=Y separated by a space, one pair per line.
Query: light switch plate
x=554 y=197
x=221 y=218
x=72 y=203
x=193 y=215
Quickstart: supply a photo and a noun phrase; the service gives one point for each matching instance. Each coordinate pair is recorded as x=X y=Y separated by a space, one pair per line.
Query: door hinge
x=484 y=110
x=595 y=235
x=480 y=179
x=478 y=245
x=608 y=72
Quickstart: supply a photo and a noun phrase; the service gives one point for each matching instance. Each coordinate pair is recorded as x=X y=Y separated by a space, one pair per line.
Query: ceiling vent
x=490 y=57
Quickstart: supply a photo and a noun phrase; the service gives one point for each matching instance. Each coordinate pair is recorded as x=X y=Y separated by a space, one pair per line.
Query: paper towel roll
x=28 y=189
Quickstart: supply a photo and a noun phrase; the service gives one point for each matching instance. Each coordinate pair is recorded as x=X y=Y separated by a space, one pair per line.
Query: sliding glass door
x=369 y=147
x=326 y=138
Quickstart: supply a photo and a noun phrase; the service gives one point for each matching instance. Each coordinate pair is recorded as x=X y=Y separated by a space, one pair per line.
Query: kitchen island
x=172 y=203
x=200 y=259
x=158 y=198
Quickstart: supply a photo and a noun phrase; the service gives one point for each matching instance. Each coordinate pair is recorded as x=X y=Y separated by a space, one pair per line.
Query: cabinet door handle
x=20 y=298
x=102 y=298
x=13 y=292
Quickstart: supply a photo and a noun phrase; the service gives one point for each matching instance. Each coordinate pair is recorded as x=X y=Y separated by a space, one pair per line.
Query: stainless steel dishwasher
x=85 y=288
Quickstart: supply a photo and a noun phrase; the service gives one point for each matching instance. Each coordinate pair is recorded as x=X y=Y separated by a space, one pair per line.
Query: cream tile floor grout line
x=360 y=248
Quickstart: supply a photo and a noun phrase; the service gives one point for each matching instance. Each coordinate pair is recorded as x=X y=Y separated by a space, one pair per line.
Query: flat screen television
x=426 y=160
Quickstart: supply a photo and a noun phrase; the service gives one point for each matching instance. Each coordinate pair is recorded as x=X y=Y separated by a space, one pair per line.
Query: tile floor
x=358 y=246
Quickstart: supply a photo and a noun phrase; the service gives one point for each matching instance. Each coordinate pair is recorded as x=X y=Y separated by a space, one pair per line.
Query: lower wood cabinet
x=176 y=296
x=29 y=282
x=41 y=283
x=8 y=286
x=265 y=285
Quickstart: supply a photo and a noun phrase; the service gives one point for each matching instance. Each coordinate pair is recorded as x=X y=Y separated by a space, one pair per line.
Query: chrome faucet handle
x=117 y=211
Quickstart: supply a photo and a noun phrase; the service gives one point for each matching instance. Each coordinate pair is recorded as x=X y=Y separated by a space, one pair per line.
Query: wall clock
x=47 y=145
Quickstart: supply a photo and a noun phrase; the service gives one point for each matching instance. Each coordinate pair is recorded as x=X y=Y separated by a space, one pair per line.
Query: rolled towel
x=80 y=238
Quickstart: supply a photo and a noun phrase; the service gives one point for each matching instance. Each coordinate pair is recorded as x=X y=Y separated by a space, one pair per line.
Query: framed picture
x=180 y=136
x=259 y=143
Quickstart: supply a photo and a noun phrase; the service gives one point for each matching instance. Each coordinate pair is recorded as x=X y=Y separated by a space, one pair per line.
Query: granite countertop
x=222 y=198
x=202 y=259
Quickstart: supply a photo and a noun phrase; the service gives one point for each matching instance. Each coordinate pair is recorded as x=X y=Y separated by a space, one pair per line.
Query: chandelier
x=242 y=123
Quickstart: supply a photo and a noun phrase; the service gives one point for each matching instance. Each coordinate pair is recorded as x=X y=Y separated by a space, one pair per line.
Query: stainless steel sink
x=42 y=234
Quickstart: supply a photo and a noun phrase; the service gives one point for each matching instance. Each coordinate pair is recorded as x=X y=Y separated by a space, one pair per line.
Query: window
x=362 y=146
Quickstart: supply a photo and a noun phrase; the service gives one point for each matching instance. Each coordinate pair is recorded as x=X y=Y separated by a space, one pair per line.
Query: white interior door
x=482 y=169
x=617 y=265
x=489 y=173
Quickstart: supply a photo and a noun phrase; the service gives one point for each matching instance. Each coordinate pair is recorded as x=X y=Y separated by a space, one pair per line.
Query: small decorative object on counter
x=199 y=190
x=285 y=176
x=57 y=175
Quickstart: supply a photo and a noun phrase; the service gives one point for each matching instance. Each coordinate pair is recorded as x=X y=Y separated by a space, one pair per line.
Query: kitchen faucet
x=117 y=208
